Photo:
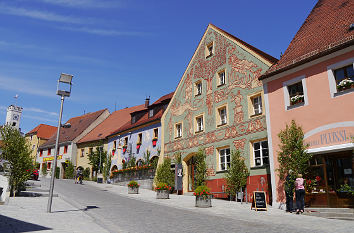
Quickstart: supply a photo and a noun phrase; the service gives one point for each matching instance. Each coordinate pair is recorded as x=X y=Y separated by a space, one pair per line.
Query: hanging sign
x=259 y=200
x=52 y=158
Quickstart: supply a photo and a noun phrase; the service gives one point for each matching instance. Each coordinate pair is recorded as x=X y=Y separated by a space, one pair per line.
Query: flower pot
x=162 y=194
x=154 y=142
x=138 y=146
x=133 y=190
x=124 y=149
x=203 y=201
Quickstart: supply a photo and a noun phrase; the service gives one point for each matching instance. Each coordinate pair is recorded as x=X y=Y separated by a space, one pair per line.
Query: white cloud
x=85 y=3
x=38 y=110
x=42 y=119
x=42 y=15
x=103 y=32
x=25 y=86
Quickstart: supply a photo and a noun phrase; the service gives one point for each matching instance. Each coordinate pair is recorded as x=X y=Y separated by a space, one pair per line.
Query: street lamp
x=63 y=90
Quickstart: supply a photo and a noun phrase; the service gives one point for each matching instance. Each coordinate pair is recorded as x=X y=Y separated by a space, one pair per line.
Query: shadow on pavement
x=84 y=209
x=8 y=224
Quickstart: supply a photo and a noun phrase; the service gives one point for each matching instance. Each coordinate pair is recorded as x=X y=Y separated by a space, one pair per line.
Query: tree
x=237 y=173
x=164 y=173
x=201 y=169
x=17 y=152
x=292 y=154
x=44 y=169
x=69 y=171
x=107 y=167
x=178 y=157
x=131 y=161
x=146 y=157
x=97 y=158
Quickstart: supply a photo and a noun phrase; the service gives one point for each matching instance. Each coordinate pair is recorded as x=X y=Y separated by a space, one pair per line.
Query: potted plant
x=297 y=99
x=138 y=144
x=202 y=197
x=345 y=84
x=162 y=191
x=125 y=148
x=154 y=141
x=133 y=187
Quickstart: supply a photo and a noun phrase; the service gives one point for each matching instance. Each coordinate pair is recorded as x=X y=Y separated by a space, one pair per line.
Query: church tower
x=13 y=116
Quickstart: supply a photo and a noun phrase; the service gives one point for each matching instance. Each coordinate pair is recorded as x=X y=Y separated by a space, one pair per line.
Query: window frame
x=288 y=105
x=140 y=138
x=65 y=149
x=156 y=133
x=260 y=104
x=218 y=121
x=196 y=130
x=225 y=160
x=49 y=151
x=209 y=53
x=198 y=91
x=223 y=71
x=261 y=153
x=332 y=80
x=151 y=112
x=177 y=134
x=82 y=153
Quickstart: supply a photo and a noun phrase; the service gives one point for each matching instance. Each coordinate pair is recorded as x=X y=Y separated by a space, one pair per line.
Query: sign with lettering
x=179 y=176
x=52 y=158
x=330 y=137
x=259 y=200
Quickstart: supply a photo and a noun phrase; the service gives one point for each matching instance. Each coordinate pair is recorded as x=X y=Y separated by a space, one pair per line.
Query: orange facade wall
x=322 y=110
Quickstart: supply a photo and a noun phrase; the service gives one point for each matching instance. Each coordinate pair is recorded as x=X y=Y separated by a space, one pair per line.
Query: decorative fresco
x=242 y=70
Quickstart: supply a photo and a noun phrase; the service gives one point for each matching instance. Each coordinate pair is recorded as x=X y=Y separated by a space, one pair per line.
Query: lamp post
x=63 y=90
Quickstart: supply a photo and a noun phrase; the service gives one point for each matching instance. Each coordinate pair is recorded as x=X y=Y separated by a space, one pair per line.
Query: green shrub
x=86 y=173
x=57 y=172
x=164 y=173
x=44 y=169
x=69 y=171
x=237 y=173
x=200 y=173
x=163 y=186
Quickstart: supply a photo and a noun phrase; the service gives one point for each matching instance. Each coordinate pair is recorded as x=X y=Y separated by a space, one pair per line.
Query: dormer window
x=133 y=119
x=151 y=112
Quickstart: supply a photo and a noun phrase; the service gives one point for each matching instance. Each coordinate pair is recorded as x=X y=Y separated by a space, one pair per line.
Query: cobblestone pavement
x=115 y=210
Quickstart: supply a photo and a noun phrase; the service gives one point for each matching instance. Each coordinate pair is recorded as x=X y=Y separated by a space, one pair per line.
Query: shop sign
x=331 y=137
x=52 y=158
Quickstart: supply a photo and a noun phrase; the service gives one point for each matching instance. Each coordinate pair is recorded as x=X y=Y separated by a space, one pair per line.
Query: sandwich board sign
x=259 y=200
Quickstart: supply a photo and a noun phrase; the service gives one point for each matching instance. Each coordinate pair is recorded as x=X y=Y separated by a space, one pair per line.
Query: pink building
x=313 y=83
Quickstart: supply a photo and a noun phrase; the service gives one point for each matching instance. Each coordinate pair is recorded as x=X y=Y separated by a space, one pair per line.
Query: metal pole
x=50 y=199
x=100 y=160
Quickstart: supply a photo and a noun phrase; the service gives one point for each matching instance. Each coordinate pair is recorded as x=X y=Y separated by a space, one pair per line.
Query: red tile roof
x=264 y=55
x=325 y=30
x=116 y=120
x=144 y=114
x=78 y=125
x=43 y=131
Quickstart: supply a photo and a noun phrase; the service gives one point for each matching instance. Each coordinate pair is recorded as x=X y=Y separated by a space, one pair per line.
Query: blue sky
x=120 y=51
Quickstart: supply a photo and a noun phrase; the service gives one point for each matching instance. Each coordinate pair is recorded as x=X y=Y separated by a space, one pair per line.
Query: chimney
x=147 y=102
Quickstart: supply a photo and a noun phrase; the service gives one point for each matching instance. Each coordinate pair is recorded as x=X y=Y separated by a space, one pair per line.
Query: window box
x=297 y=99
x=138 y=146
x=345 y=84
x=154 y=141
x=125 y=148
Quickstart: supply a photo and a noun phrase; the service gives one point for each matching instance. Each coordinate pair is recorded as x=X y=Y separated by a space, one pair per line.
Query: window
x=49 y=165
x=178 y=130
x=114 y=145
x=82 y=154
x=151 y=112
x=261 y=153
x=198 y=88
x=41 y=152
x=222 y=80
x=222 y=116
x=65 y=149
x=199 y=124
x=224 y=159
x=257 y=105
x=296 y=93
x=140 y=138
x=90 y=150
x=344 y=77
x=156 y=133
x=49 y=151
x=209 y=50
x=125 y=141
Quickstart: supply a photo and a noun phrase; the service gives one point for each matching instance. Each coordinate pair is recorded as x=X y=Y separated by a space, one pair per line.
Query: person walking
x=299 y=194
x=289 y=191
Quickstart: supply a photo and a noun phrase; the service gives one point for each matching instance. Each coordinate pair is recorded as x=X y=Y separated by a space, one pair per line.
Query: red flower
x=318 y=179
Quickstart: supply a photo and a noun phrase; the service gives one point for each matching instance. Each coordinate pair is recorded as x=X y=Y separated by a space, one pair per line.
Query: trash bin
x=240 y=196
x=100 y=178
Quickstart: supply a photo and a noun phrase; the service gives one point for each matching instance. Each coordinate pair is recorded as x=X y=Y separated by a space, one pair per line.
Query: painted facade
x=147 y=132
x=84 y=149
x=325 y=111
x=220 y=79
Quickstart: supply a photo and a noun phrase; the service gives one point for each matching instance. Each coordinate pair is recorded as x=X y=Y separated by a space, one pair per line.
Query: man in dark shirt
x=289 y=191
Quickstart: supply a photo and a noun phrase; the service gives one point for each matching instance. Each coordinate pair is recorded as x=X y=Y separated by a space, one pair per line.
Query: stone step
x=32 y=184
x=331 y=210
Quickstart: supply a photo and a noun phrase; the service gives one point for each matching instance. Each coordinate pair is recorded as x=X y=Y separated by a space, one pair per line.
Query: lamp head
x=64 y=85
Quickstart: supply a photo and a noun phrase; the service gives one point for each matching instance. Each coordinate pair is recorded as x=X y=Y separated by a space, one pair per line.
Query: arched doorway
x=114 y=168
x=190 y=163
